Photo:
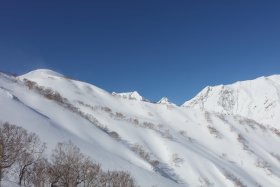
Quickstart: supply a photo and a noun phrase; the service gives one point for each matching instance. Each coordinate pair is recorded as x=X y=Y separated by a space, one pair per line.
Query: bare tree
x=31 y=154
x=117 y=179
x=71 y=168
x=66 y=165
x=18 y=148
x=22 y=152
x=38 y=174
x=89 y=173
x=11 y=145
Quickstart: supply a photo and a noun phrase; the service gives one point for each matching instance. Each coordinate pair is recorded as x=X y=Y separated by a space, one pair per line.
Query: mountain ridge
x=258 y=99
x=159 y=145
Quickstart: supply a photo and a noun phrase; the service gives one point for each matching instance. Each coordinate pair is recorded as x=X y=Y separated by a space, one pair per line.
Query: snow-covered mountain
x=165 y=101
x=216 y=139
x=130 y=95
x=257 y=99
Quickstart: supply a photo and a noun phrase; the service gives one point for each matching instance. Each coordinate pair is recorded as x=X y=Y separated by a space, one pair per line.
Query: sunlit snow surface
x=258 y=99
x=210 y=141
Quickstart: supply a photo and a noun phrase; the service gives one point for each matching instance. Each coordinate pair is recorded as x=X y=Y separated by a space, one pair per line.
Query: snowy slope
x=158 y=144
x=257 y=99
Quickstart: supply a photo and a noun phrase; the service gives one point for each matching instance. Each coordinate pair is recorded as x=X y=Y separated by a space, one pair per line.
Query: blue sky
x=159 y=48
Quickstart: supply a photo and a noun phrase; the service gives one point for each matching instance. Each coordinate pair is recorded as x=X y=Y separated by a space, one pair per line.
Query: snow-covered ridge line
x=158 y=144
x=165 y=101
x=275 y=78
x=246 y=98
x=42 y=72
x=46 y=73
x=131 y=96
x=258 y=99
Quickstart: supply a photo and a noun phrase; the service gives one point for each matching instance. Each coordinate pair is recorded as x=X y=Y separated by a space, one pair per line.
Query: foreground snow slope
x=159 y=144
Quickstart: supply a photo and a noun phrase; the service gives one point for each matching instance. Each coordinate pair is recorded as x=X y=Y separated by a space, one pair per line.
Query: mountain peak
x=165 y=101
x=130 y=95
x=136 y=95
x=41 y=73
x=257 y=99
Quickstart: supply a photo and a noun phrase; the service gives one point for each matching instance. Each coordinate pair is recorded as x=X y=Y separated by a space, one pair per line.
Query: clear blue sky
x=159 y=48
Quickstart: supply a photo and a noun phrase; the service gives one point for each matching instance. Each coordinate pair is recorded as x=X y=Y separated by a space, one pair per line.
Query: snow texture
x=225 y=136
